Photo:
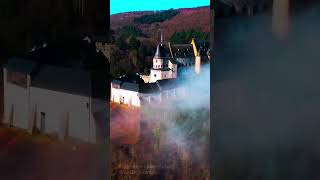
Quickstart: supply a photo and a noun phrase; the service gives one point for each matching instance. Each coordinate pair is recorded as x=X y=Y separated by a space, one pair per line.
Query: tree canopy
x=158 y=17
x=185 y=37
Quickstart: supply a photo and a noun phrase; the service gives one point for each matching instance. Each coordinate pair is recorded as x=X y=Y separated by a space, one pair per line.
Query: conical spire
x=158 y=53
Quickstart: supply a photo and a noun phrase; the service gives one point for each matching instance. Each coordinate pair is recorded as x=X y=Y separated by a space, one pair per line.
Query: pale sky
x=118 y=6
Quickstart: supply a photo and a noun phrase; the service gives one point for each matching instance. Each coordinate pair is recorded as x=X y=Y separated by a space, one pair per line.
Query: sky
x=119 y=6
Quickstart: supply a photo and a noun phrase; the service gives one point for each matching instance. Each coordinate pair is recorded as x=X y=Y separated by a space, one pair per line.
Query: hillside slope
x=187 y=18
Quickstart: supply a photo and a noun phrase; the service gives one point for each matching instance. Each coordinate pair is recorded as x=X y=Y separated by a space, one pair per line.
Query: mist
x=185 y=119
x=266 y=98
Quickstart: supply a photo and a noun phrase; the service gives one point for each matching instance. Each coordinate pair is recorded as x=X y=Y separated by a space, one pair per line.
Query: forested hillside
x=136 y=34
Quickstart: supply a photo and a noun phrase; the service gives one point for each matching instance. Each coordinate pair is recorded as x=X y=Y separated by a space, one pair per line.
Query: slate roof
x=130 y=86
x=161 y=52
x=129 y=82
x=73 y=66
x=167 y=84
x=173 y=61
x=115 y=81
x=202 y=46
x=73 y=81
x=134 y=83
x=20 y=65
x=131 y=78
x=182 y=50
x=147 y=88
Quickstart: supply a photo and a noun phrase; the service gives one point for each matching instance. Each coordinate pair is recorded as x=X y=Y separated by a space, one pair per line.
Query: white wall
x=157 y=63
x=56 y=105
x=115 y=95
x=99 y=127
x=159 y=75
x=17 y=97
x=174 y=67
x=130 y=98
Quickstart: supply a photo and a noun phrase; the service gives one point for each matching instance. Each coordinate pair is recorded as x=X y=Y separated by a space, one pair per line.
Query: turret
x=198 y=63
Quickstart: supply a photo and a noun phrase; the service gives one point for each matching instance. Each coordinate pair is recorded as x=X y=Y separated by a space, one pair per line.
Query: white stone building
x=53 y=100
x=171 y=65
x=164 y=66
x=173 y=60
x=132 y=91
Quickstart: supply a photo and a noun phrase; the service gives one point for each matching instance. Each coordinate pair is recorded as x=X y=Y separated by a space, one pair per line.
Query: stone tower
x=164 y=66
x=198 y=63
x=197 y=55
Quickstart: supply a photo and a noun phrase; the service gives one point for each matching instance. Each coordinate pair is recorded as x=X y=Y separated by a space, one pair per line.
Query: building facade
x=164 y=66
x=133 y=92
x=52 y=100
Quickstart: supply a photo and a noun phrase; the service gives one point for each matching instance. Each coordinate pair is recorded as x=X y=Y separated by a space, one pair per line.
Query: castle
x=171 y=64
x=169 y=59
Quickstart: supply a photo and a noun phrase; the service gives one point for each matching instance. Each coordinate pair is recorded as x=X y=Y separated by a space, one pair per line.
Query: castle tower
x=164 y=66
x=197 y=57
x=198 y=63
x=280 y=18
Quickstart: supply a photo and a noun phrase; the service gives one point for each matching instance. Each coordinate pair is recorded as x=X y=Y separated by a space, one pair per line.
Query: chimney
x=280 y=18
